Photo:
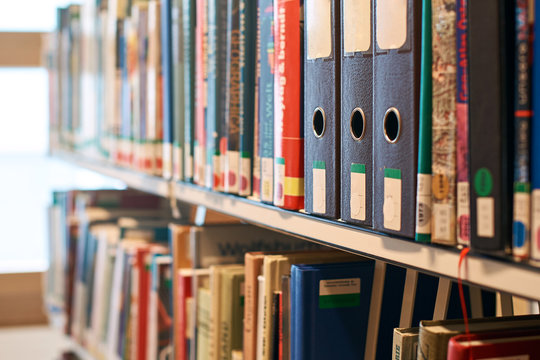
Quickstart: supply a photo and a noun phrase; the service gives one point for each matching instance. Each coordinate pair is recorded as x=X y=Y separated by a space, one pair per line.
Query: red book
x=184 y=292
x=511 y=345
x=288 y=116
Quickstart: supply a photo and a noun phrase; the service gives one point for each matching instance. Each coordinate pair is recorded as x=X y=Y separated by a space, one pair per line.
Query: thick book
x=512 y=344
x=423 y=180
x=356 y=112
x=443 y=155
x=322 y=61
x=288 y=125
x=396 y=90
x=167 y=84
x=265 y=97
x=183 y=292
x=435 y=335
x=329 y=303
x=188 y=37
x=521 y=236
x=463 y=223
x=405 y=343
x=491 y=97
x=203 y=323
x=230 y=142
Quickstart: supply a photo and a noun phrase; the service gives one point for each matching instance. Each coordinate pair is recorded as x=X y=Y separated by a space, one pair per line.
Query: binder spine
x=443 y=157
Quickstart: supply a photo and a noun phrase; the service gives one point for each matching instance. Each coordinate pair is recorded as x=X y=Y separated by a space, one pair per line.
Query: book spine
x=233 y=98
x=256 y=183
x=288 y=106
x=188 y=27
x=522 y=119
x=462 y=131
x=535 y=145
x=443 y=160
x=423 y=194
x=266 y=100
x=201 y=78
x=212 y=99
x=168 y=96
x=248 y=39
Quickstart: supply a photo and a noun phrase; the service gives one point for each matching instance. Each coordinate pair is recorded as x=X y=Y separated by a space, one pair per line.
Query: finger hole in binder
x=392 y=125
x=357 y=124
x=319 y=122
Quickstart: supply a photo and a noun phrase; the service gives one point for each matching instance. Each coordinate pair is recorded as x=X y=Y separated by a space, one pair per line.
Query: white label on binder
x=442 y=215
x=521 y=240
x=267 y=179
x=358 y=196
x=485 y=208
x=339 y=286
x=423 y=204
x=356 y=25
x=391 y=23
x=319 y=190
x=319 y=28
x=392 y=204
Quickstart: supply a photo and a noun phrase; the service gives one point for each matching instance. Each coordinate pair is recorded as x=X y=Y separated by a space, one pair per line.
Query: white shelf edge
x=496 y=274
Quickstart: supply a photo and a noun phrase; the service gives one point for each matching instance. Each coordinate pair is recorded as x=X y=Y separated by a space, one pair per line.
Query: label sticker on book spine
x=279 y=182
x=232 y=176
x=167 y=160
x=245 y=175
x=514 y=357
x=442 y=222
x=188 y=170
x=358 y=191
x=178 y=158
x=463 y=213
x=216 y=163
x=338 y=293
x=485 y=208
x=521 y=223
x=423 y=204
x=392 y=199
x=267 y=179
x=319 y=187
x=535 y=228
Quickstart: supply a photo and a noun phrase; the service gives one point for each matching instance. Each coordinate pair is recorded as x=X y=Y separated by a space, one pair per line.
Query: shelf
x=494 y=273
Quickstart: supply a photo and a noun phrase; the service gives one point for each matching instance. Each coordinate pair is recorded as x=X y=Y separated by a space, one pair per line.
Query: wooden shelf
x=494 y=273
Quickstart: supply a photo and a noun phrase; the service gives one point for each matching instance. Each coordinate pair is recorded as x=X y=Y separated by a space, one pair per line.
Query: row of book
x=381 y=115
x=136 y=284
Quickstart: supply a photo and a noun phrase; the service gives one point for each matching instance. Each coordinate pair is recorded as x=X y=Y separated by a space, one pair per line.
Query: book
x=535 y=146
x=203 y=323
x=288 y=125
x=231 y=312
x=201 y=82
x=231 y=129
x=513 y=344
x=435 y=335
x=285 y=345
x=328 y=303
x=265 y=97
x=322 y=61
x=356 y=112
x=178 y=64
x=521 y=237
x=167 y=83
x=490 y=99
x=423 y=181
x=395 y=142
x=405 y=343
x=189 y=30
x=443 y=156
x=462 y=133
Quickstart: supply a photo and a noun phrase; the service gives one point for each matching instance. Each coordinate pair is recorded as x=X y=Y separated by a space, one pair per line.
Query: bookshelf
x=499 y=274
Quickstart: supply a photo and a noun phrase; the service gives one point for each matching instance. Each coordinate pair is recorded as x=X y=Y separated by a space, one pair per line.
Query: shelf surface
x=495 y=273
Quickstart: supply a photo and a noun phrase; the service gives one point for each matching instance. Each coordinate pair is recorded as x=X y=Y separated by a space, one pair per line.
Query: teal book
x=188 y=26
x=178 y=126
x=423 y=192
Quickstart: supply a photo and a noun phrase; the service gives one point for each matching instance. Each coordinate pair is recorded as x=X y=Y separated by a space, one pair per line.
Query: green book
x=423 y=192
